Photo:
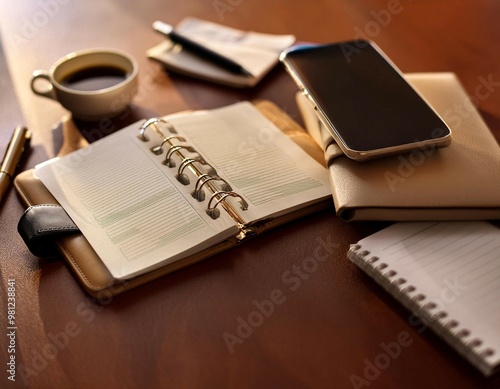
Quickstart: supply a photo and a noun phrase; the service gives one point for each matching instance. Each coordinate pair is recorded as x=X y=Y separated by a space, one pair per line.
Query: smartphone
x=364 y=100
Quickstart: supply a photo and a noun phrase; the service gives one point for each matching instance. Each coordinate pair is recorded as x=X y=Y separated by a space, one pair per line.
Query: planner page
x=272 y=173
x=127 y=204
x=134 y=199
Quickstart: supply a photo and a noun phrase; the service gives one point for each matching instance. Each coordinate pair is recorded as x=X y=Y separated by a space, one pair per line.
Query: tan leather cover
x=459 y=182
x=84 y=261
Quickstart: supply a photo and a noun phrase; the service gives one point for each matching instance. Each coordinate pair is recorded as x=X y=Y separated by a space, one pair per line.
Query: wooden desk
x=332 y=326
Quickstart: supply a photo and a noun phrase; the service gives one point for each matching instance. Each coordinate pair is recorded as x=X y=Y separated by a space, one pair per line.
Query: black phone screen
x=364 y=98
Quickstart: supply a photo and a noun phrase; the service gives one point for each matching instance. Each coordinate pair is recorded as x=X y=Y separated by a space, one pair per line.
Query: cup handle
x=47 y=92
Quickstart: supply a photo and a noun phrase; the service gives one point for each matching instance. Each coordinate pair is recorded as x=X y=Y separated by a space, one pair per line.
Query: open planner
x=167 y=190
x=448 y=274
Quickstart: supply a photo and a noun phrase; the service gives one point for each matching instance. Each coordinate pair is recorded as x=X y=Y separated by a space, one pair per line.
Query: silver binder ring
x=172 y=149
x=208 y=177
x=203 y=177
x=159 y=149
x=181 y=177
x=153 y=121
x=199 y=194
x=213 y=211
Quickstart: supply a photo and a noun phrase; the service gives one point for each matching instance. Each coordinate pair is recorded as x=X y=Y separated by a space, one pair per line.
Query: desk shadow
x=493 y=122
x=72 y=133
x=191 y=307
x=130 y=329
x=201 y=94
x=190 y=279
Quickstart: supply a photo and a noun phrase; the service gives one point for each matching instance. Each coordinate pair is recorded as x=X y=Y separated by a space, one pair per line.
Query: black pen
x=18 y=145
x=188 y=44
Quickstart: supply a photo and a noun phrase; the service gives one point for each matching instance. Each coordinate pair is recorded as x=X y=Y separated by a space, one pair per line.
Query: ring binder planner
x=445 y=273
x=166 y=192
x=198 y=167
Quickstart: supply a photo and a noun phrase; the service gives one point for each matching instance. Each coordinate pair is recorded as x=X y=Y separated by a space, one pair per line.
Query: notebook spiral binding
x=205 y=174
x=429 y=312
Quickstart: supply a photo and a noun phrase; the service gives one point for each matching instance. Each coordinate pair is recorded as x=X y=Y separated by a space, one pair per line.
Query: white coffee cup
x=92 y=84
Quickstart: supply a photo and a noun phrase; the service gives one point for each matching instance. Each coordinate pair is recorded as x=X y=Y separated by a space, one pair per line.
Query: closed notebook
x=458 y=182
x=148 y=191
x=446 y=273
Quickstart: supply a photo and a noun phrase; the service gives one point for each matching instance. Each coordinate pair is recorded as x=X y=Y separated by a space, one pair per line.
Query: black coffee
x=95 y=78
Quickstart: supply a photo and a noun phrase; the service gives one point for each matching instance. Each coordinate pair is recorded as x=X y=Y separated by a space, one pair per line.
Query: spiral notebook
x=448 y=274
x=163 y=190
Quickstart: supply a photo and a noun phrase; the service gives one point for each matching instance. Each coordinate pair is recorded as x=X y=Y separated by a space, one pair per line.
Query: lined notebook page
x=127 y=204
x=453 y=265
x=145 y=198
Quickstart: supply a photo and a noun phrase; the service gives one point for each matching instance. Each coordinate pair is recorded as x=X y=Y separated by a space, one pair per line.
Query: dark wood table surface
x=333 y=325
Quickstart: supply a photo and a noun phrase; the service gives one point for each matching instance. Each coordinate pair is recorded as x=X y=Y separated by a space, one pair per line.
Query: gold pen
x=18 y=145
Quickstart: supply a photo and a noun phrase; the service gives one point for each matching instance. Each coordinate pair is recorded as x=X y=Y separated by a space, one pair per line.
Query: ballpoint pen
x=18 y=145
x=199 y=49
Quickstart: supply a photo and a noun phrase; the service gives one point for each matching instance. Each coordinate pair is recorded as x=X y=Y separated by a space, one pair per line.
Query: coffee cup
x=92 y=84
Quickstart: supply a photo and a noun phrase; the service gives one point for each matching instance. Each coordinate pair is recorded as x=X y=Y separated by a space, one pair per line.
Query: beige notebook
x=446 y=273
x=461 y=181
